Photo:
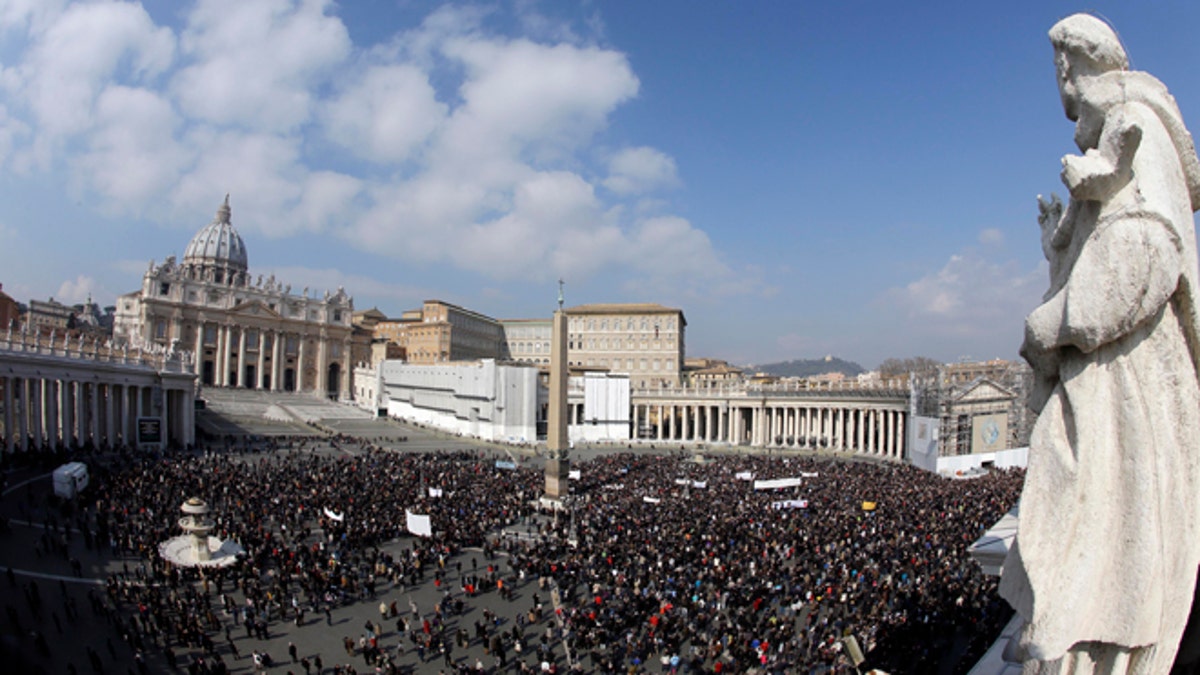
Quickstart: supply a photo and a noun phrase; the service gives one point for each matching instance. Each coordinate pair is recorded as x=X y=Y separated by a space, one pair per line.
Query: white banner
x=335 y=516
x=574 y=475
x=790 y=504
x=745 y=475
x=700 y=484
x=682 y=481
x=435 y=492
x=777 y=483
x=651 y=500
x=418 y=524
x=808 y=475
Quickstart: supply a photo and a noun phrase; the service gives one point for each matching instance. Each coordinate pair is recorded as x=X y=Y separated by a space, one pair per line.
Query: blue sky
x=801 y=178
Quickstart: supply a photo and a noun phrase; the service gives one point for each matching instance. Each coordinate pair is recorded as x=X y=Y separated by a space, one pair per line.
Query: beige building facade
x=441 y=332
x=527 y=341
x=642 y=340
x=244 y=331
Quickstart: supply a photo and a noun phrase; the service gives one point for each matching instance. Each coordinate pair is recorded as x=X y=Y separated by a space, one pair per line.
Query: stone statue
x=1105 y=561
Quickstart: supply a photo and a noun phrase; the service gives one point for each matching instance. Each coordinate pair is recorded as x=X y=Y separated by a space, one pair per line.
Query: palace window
x=164 y=288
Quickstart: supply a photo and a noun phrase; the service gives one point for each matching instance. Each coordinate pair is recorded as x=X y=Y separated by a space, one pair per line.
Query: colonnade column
x=9 y=437
x=80 y=426
x=899 y=436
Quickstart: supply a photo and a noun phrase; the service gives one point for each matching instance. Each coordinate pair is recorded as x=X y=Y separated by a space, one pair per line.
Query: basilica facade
x=244 y=331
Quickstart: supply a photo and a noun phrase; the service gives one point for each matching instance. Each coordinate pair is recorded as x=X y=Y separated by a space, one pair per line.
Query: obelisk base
x=557 y=482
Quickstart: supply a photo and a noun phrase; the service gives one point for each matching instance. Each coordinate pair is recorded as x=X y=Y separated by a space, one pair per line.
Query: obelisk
x=557 y=444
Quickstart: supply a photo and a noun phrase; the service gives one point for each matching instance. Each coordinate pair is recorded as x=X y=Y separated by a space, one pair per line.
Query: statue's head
x=1084 y=46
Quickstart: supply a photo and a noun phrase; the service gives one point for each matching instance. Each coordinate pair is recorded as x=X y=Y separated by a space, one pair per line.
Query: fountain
x=195 y=547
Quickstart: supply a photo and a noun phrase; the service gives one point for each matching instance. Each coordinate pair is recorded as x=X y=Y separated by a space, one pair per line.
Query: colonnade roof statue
x=1104 y=566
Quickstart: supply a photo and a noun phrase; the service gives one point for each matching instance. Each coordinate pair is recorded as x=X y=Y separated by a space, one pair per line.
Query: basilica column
x=300 y=363
x=276 y=366
x=261 y=367
x=240 y=380
x=322 y=364
x=221 y=361
x=347 y=369
x=199 y=359
x=900 y=435
x=218 y=352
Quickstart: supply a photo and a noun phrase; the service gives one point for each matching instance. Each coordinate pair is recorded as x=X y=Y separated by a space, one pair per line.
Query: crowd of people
x=656 y=563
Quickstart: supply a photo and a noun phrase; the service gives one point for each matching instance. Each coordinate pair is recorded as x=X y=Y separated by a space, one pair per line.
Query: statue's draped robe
x=1107 y=548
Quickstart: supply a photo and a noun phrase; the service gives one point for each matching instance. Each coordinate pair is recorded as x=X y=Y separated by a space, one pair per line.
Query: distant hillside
x=809 y=367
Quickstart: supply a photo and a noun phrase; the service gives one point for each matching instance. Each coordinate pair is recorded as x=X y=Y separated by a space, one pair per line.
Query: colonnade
x=53 y=397
x=873 y=429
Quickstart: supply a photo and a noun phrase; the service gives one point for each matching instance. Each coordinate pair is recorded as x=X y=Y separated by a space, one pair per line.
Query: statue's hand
x=1049 y=212
x=1050 y=218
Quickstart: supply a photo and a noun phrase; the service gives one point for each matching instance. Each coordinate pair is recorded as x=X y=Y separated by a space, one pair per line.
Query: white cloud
x=970 y=295
x=991 y=237
x=258 y=64
x=640 y=170
x=386 y=114
x=132 y=157
x=320 y=280
x=327 y=199
x=84 y=48
x=531 y=100
x=29 y=15
x=260 y=171
x=12 y=130
x=78 y=290
x=477 y=145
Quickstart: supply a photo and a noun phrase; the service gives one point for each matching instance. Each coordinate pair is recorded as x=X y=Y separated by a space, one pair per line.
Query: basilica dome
x=217 y=245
